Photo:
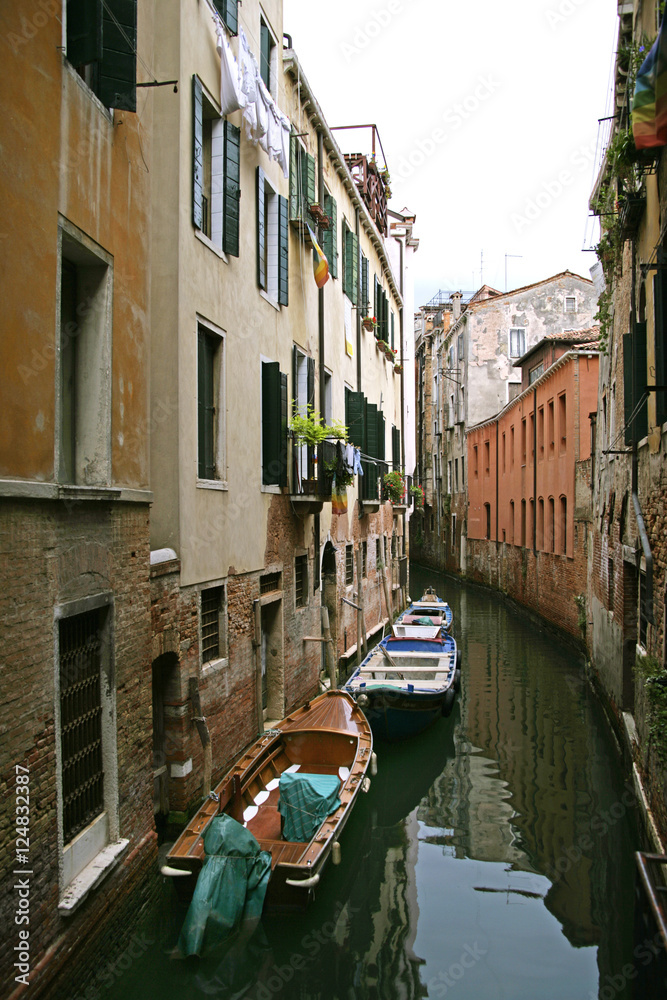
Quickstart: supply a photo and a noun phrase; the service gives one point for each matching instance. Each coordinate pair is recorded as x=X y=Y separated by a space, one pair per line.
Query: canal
x=492 y=858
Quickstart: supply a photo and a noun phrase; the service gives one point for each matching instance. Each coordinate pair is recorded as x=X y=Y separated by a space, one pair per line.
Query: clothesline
x=242 y=88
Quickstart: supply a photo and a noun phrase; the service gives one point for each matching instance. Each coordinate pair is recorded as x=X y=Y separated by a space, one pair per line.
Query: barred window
x=300 y=581
x=269 y=582
x=211 y=606
x=81 y=720
x=364 y=554
x=349 y=564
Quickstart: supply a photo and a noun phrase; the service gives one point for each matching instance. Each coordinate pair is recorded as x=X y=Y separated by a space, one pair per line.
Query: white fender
x=374 y=764
x=304 y=883
x=166 y=870
x=335 y=853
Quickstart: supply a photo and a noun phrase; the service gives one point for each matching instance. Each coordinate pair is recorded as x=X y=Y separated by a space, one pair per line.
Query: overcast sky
x=488 y=115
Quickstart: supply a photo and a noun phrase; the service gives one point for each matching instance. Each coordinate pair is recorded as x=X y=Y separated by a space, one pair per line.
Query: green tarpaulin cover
x=230 y=889
x=305 y=802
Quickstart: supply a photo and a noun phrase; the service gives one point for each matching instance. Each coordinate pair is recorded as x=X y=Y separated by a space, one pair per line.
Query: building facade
x=529 y=484
x=474 y=352
x=251 y=538
x=75 y=697
x=626 y=593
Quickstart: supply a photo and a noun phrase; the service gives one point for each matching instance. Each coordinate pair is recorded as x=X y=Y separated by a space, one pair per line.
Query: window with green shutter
x=216 y=173
x=355 y=417
x=102 y=46
x=274 y=425
x=210 y=459
x=272 y=240
x=283 y=251
x=302 y=182
x=231 y=195
x=381 y=436
x=350 y=264
x=396 y=447
x=363 y=280
x=228 y=11
x=391 y=340
x=330 y=235
x=634 y=384
x=266 y=48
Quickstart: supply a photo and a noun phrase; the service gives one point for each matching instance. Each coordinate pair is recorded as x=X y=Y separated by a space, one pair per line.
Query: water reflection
x=492 y=857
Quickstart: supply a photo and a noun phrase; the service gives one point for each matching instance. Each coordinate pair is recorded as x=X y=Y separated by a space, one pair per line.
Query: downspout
x=403 y=420
x=320 y=366
x=535 y=473
x=496 y=480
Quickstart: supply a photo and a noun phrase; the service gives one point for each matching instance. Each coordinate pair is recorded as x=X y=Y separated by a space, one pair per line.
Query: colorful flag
x=320 y=263
x=649 y=101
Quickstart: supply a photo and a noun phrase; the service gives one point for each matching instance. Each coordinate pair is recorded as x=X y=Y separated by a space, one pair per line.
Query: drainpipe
x=320 y=296
x=257 y=643
x=357 y=228
x=496 y=480
x=535 y=473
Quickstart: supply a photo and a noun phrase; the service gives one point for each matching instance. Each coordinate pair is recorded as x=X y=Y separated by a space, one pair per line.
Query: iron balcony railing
x=312 y=466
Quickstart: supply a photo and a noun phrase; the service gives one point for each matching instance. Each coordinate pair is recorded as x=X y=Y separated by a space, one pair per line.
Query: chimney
x=456 y=305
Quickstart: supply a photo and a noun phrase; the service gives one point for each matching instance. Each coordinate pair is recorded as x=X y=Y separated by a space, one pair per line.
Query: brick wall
x=52 y=553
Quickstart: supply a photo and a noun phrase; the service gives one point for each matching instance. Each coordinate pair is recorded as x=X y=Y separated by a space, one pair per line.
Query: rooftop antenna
x=506 y=256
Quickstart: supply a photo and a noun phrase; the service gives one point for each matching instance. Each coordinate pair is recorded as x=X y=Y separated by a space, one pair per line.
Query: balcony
x=311 y=484
x=370 y=485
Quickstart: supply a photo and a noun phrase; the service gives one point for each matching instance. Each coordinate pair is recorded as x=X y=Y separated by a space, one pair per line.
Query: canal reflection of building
x=385 y=901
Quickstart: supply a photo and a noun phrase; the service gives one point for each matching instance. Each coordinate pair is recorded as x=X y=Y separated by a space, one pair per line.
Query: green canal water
x=492 y=858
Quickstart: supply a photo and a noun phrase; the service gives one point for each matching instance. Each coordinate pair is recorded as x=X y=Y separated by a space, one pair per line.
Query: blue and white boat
x=430 y=610
x=407 y=682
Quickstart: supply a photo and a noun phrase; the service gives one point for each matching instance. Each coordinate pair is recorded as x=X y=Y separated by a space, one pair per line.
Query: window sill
x=214 y=666
x=267 y=298
x=218 y=251
x=83 y=884
x=212 y=484
x=271 y=489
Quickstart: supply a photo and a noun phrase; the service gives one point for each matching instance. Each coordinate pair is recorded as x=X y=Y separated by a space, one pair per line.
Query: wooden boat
x=429 y=606
x=406 y=682
x=329 y=735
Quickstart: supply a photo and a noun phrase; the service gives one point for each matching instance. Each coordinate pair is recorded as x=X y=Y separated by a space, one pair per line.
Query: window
x=302 y=187
x=330 y=243
x=378 y=553
x=456 y=475
x=503 y=452
x=328 y=399
x=210 y=405
x=463 y=472
x=364 y=554
x=452 y=358
x=523 y=523
x=531 y=438
x=381 y=309
x=643 y=621
x=228 y=11
x=512 y=446
x=86 y=727
x=610 y=584
x=101 y=45
x=272 y=241
x=449 y=476
x=453 y=530
x=552 y=525
x=487 y=511
x=563 y=525
x=83 y=375
x=570 y=304
x=487 y=458
x=364 y=302
x=523 y=441
x=350 y=264
x=562 y=422
x=517 y=343
x=460 y=346
x=303 y=394
x=212 y=607
x=475 y=455
x=534 y=373
x=391 y=338
x=216 y=189
x=550 y=427
x=300 y=581
x=511 y=524
x=540 y=432
x=349 y=565
x=540 y=523
x=270 y=582
x=267 y=57
x=274 y=425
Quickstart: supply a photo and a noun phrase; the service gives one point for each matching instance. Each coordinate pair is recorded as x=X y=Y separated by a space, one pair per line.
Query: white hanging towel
x=249 y=69
x=231 y=98
x=263 y=105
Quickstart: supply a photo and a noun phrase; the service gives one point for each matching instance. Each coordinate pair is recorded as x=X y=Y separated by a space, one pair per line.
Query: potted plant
x=311 y=430
x=417 y=492
x=394 y=485
x=320 y=216
x=369 y=322
x=398 y=369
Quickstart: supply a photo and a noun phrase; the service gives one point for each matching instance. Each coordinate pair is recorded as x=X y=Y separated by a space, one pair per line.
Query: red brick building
x=529 y=482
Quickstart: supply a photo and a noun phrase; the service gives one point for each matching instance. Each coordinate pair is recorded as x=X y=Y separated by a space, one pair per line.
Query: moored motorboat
x=429 y=611
x=294 y=790
x=406 y=682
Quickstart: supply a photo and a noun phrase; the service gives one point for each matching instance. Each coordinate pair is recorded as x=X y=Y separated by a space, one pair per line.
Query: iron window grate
x=210 y=623
x=300 y=585
x=269 y=583
x=81 y=721
x=349 y=564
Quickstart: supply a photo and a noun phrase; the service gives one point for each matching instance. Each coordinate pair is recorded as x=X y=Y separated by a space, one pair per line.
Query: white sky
x=488 y=115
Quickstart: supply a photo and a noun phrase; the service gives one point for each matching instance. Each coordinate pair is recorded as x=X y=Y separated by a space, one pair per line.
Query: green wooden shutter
x=331 y=235
x=376 y=302
x=295 y=380
x=274 y=425
x=350 y=264
x=283 y=251
x=118 y=67
x=371 y=447
x=265 y=54
x=205 y=406
x=293 y=178
x=232 y=189
x=381 y=436
x=228 y=11
x=395 y=447
x=354 y=254
x=309 y=180
x=197 y=154
x=356 y=418
x=261 y=231
x=84 y=31
x=346 y=269
x=364 y=285
x=391 y=342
